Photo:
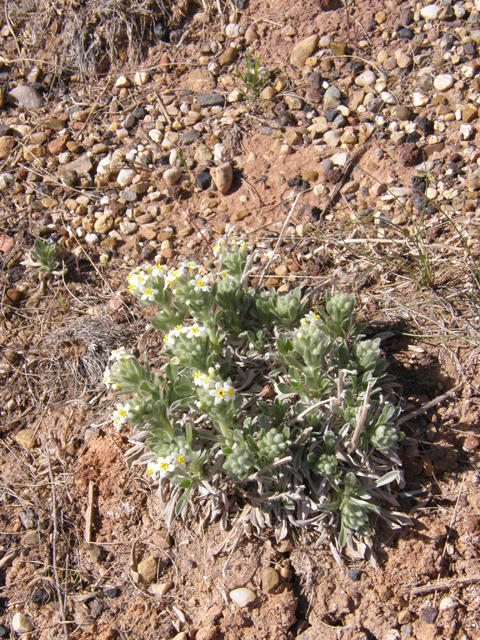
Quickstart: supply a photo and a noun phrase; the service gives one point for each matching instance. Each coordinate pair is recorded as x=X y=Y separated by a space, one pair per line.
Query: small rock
x=162 y=588
x=7 y=145
x=6 y=181
x=270 y=577
x=471 y=443
x=21 y=624
x=430 y=12
x=404 y=61
x=189 y=137
x=447 y=603
x=173 y=175
x=366 y=79
x=443 y=82
x=4 y=631
x=409 y=154
x=27 y=97
x=429 y=615
x=125 y=177
x=405 y=33
x=241 y=215
x=141 y=78
x=223 y=177
x=338 y=48
x=332 y=98
x=209 y=632
x=201 y=80
x=267 y=93
x=403 y=113
x=210 y=99
x=147 y=570
x=169 y=254
x=122 y=82
x=243 y=596
x=112 y=592
x=303 y=50
x=81 y=165
x=228 y=56
x=355 y=574
x=468 y=114
x=104 y=224
x=294 y=102
x=204 y=180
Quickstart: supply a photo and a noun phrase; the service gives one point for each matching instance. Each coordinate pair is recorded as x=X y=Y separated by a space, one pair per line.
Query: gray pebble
x=191 y=136
x=426 y=82
x=340 y=121
x=379 y=153
x=210 y=99
x=327 y=165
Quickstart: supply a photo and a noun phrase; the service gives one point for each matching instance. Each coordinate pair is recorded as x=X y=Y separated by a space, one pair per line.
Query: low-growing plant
x=261 y=401
x=46 y=254
x=254 y=79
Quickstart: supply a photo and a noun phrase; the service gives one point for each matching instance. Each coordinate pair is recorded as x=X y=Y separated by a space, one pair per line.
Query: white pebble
x=443 y=82
x=430 y=12
x=21 y=624
x=419 y=100
x=365 y=79
x=467 y=131
x=125 y=177
x=243 y=596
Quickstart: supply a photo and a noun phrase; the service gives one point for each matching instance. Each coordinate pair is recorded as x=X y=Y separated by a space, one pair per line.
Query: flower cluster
x=164 y=466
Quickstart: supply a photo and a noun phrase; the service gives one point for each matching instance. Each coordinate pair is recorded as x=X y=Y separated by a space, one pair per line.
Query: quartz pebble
x=443 y=82
x=365 y=79
x=430 y=12
x=243 y=596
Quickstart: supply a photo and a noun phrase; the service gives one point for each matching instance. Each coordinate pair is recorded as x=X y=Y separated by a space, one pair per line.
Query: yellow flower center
x=122 y=413
x=148 y=291
x=200 y=283
x=181 y=459
x=164 y=466
x=221 y=393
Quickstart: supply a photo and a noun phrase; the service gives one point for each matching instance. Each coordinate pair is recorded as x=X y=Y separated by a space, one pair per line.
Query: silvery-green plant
x=289 y=405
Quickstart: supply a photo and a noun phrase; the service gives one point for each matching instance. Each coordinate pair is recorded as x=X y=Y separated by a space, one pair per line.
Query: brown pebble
x=165 y=63
x=168 y=254
x=471 y=443
x=13 y=297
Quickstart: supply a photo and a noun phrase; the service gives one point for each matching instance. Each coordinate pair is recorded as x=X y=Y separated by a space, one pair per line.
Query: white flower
x=195 y=331
x=300 y=336
x=218 y=248
x=139 y=279
x=168 y=340
x=165 y=466
x=199 y=404
x=191 y=266
x=222 y=393
x=118 y=354
x=208 y=382
x=158 y=271
x=175 y=360
x=200 y=283
x=107 y=379
x=180 y=458
x=122 y=415
x=153 y=469
x=311 y=317
x=177 y=331
x=148 y=293
x=173 y=276
x=197 y=378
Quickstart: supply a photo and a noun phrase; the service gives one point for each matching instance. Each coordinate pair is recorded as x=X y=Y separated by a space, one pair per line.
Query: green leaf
x=183 y=501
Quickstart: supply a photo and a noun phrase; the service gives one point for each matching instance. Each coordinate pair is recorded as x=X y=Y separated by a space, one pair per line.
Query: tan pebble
x=147 y=570
x=270 y=579
x=267 y=93
x=223 y=177
x=168 y=254
x=285 y=546
x=21 y=624
x=281 y=270
x=162 y=588
x=471 y=443
x=303 y=50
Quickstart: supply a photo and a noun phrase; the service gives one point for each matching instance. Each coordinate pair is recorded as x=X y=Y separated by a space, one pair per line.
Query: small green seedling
x=254 y=79
x=46 y=254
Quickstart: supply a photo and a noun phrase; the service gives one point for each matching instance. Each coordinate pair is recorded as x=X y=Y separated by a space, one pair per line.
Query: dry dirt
x=427 y=582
